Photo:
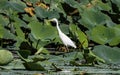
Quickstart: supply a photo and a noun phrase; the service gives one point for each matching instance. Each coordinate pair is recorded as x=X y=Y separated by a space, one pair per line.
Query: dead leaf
x=29 y=10
x=42 y=5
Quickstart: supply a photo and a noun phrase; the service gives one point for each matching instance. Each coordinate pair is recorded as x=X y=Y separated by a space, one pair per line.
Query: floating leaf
x=42 y=32
x=102 y=35
x=116 y=39
x=1 y=31
x=110 y=55
x=3 y=4
x=80 y=35
x=72 y=3
x=8 y=35
x=42 y=13
x=91 y=18
x=4 y=20
x=5 y=57
x=19 y=32
x=16 y=6
x=42 y=50
x=34 y=66
x=117 y=3
x=103 y=6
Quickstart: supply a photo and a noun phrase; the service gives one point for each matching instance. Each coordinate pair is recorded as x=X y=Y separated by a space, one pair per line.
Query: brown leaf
x=42 y=5
x=29 y=10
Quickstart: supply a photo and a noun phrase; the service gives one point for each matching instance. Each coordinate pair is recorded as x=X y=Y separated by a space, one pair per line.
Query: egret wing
x=66 y=40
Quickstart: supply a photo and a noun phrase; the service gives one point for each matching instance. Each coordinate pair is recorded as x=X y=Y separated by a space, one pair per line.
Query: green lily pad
x=17 y=6
x=42 y=32
x=34 y=66
x=109 y=54
x=116 y=39
x=117 y=3
x=81 y=36
x=103 y=35
x=91 y=18
x=1 y=31
x=5 y=57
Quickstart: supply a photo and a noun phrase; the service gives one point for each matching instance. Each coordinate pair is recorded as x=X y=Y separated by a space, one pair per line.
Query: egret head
x=53 y=20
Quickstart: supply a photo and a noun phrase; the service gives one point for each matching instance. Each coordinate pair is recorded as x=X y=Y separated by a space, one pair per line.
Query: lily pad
x=42 y=32
x=5 y=57
x=34 y=66
x=91 y=18
x=103 y=35
x=81 y=36
x=109 y=54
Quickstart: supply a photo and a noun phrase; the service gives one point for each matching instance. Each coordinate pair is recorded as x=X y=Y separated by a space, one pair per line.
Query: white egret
x=64 y=38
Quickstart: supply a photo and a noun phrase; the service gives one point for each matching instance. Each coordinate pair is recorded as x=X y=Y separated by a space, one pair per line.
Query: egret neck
x=58 y=27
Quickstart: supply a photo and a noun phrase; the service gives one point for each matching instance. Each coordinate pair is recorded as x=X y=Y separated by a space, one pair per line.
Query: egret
x=64 y=38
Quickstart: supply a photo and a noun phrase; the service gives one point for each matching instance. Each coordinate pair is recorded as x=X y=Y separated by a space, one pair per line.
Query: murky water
x=66 y=71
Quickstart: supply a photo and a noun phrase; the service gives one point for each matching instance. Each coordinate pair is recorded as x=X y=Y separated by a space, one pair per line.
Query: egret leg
x=63 y=48
x=67 y=49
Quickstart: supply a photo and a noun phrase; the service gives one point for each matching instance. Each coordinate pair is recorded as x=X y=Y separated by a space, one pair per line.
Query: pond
x=66 y=71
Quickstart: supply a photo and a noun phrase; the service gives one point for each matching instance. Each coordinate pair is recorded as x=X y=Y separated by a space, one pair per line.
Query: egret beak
x=50 y=20
x=47 y=21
